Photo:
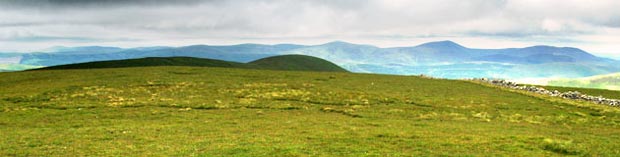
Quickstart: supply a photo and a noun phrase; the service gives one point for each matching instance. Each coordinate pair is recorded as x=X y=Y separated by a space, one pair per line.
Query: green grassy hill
x=150 y=61
x=206 y=111
x=285 y=62
x=297 y=62
x=608 y=81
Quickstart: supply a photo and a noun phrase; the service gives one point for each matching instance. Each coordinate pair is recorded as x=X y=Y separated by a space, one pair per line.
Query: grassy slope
x=217 y=111
x=297 y=62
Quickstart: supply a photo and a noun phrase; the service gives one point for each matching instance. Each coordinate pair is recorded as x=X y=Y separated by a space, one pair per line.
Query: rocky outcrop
x=574 y=95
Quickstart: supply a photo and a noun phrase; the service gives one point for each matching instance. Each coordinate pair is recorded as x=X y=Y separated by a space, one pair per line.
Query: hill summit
x=297 y=62
x=442 y=44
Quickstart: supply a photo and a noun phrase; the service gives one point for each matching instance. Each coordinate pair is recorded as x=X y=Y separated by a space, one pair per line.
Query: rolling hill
x=284 y=62
x=151 y=61
x=443 y=59
x=210 y=111
x=296 y=62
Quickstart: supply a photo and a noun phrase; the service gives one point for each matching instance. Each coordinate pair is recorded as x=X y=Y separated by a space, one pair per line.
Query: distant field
x=16 y=67
x=199 y=111
x=614 y=94
x=606 y=81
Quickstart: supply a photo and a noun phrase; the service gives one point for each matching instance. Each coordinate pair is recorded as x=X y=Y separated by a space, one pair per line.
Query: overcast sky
x=29 y=25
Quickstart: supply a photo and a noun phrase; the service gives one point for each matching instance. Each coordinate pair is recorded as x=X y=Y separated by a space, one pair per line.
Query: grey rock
x=574 y=95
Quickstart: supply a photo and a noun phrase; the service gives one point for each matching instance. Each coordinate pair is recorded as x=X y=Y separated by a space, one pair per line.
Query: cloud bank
x=27 y=25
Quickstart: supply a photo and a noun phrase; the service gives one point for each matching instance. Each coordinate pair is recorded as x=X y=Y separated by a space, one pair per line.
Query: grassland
x=199 y=111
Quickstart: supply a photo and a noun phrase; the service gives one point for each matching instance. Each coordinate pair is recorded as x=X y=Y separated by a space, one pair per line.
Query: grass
x=199 y=111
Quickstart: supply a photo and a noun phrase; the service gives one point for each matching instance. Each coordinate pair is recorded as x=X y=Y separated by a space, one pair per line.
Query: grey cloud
x=94 y=3
x=63 y=38
x=302 y=19
x=52 y=38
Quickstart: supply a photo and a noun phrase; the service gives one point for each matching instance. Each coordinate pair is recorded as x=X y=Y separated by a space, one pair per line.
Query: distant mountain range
x=444 y=59
x=283 y=62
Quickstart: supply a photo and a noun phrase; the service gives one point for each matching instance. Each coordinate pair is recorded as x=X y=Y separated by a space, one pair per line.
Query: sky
x=34 y=25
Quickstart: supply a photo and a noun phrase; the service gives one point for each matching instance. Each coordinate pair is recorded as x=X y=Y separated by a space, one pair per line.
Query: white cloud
x=592 y=25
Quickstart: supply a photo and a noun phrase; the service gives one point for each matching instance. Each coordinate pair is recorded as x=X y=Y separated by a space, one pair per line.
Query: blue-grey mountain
x=444 y=59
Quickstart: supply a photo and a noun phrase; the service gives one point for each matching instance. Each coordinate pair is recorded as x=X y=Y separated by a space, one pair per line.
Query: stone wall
x=574 y=95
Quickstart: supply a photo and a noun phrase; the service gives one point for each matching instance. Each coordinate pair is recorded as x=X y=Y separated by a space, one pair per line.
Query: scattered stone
x=574 y=95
